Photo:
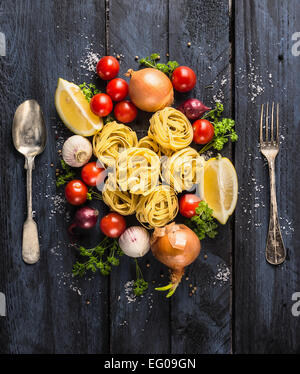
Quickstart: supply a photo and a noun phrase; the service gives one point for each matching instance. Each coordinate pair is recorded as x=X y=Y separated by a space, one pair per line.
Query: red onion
x=193 y=108
x=85 y=218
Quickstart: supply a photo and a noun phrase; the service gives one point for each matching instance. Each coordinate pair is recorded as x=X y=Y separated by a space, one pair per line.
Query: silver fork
x=275 y=250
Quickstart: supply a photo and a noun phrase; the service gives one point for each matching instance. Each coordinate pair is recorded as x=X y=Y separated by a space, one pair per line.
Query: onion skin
x=150 y=89
x=85 y=218
x=193 y=108
x=176 y=246
x=135 y=241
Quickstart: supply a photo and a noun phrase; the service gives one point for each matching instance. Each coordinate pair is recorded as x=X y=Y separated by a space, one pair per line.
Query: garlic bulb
x=135 y=241
x=77 y=151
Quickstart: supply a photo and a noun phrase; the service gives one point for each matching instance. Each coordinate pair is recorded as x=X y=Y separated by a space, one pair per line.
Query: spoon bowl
x=29 y=130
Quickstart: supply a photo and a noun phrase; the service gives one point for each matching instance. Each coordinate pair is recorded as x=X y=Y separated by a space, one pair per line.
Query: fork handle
x=275 y=250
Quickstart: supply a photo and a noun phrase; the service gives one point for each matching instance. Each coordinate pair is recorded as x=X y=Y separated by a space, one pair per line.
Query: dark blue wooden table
x=242 y=52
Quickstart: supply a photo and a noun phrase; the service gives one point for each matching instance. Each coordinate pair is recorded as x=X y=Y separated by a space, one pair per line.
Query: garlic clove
x=77 y=151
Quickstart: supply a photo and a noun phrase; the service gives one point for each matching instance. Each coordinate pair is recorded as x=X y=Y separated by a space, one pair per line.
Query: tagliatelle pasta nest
x=122 y=202
x=157 y=208
x=111 y=140
x=133 y=184
x=183 y=170
x=147 y=142
x=171 y=129
x=137 y=170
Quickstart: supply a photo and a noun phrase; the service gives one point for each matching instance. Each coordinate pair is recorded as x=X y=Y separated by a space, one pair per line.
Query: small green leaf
x=151 y=61
x=164 y=288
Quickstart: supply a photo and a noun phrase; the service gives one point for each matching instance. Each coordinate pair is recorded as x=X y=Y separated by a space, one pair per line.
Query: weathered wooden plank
x=266 y=70
x=138 y=29
x=201 y=323
x=47 y=310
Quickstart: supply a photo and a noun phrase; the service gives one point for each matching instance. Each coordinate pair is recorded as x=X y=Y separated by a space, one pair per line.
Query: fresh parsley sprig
x=92 y=194
x=203 y=223
x=224 y=129
x=109 y=118
x=65 y=174
x=151 y=61
x=89 y=90
x=102 y=257
x=140 y=285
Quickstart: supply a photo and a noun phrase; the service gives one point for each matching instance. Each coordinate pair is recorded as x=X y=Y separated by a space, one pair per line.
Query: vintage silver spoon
x=29 y=137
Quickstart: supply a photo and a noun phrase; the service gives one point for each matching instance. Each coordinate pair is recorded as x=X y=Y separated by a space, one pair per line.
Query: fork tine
x=277 y=129
x=261 y=124
x=267 y=122
x=272 y=123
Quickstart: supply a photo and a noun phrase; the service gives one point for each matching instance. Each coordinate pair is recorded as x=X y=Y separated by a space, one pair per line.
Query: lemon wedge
x=220 y=187
x=74 y=110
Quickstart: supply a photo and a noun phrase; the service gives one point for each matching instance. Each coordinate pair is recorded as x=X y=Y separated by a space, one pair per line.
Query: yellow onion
x=176 y=246
x=150 y=89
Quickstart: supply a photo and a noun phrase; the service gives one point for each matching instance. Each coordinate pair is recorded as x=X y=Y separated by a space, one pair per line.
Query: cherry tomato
x=187 y=205
x=91 y=174
x=183 y=79
x=76 y=192
x=101 y=105
x=117 y=89
x=113 y=225
x=108 y=67
x=203 y=131
x=125 y=111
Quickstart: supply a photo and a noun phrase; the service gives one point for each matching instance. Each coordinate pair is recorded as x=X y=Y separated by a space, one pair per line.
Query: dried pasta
x=147 y=142
x=171 y=129
x=122 y=202
x=158 y=208
x=183 y=170
x=138 y=170
x=113 y=139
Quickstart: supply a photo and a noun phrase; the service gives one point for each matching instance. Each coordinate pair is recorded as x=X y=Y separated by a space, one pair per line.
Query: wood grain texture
x=142 y=326
x=50 y=312
x=266 y=70
x=201 y=323
x=45 y=312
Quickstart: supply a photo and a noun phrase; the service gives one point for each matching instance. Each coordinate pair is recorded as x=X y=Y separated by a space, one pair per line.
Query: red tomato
x=125 y=111
x=101 y=105
x=91 y=174
x=203 y=131
x=187 y=204
x=76 y=192
x=108 y=68
x=113 y=225
x=183 y=79
x=117 y=89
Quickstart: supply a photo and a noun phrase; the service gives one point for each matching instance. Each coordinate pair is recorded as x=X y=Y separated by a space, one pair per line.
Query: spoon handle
x=30 y=246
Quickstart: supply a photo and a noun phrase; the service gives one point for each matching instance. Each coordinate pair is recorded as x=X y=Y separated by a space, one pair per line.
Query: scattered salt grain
x=89 y=61
x=130 y=296
x=223 y=274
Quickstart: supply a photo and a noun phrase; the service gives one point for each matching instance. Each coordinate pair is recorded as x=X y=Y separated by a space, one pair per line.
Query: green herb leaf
x=65 y=174
x=96 y=260
x=203 y=223
x=89 y=90
x=223 y=127
x=151 y=61
x=92 y=194
x=140 y=285
x=109 y=118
